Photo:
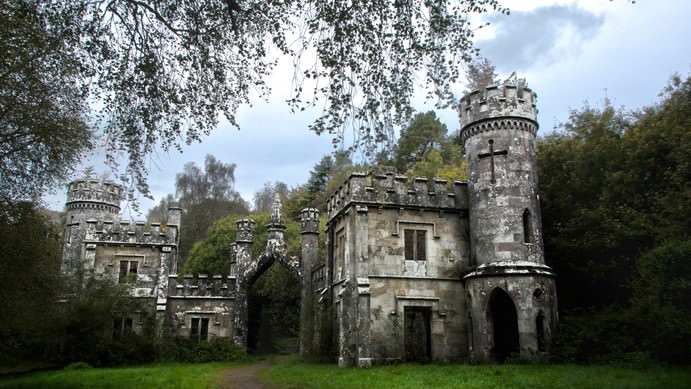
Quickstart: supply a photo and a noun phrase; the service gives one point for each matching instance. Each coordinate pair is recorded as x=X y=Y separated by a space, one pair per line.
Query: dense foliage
x=43 y=122
x=162 y=73
x=55 y=320
x=205 y=195
x=425 y=148
x=29 y=269
x=617 y=224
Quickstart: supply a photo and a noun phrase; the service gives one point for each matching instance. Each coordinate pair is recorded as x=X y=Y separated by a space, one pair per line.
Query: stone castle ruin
x=416 y=269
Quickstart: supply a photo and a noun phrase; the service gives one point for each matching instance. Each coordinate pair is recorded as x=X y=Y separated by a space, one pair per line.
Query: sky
x=571 y=53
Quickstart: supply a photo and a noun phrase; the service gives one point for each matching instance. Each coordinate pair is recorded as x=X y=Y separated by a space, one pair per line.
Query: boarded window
x=199 y=329
x=415 y=245
x=128 y=271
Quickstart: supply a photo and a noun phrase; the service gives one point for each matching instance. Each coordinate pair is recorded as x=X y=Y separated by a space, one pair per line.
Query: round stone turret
x=507 y=101
x=92 y=199
x=510 y=293
x=498 y=128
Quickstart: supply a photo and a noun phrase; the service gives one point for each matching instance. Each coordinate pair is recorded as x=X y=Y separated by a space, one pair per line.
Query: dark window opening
x=538 y=294
x=128 y=271
x=527 y=227
x=199 y=329
x=415 y=245
x=122 y=327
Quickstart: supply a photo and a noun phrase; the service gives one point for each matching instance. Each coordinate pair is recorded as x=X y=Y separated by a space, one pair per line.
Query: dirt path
x=244 y=377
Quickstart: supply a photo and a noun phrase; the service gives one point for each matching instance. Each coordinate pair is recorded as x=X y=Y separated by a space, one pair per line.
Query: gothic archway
x=503 y=323
x=273 y=311
x=249 y=269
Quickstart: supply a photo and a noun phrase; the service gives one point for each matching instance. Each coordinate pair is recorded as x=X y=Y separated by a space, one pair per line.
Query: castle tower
x=511 y=293
x=87 y=200
x=92 y=199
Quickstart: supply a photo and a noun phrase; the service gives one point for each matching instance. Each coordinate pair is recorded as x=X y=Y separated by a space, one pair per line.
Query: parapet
x=395 y=191
x=201 y=286
x=245 y=231
x=309 y=220
x=511 y=99
x=94 y=194
x=125 y=232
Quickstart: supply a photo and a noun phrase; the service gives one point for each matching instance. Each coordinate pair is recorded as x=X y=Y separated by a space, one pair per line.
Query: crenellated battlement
x=93 y=194
x=245 y=231
x=506 y=101
x=391 y=190
x=202 y=285
x=309 y=219
x=126 y=232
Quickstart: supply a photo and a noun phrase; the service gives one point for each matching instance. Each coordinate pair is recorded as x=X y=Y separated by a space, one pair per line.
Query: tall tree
x=264 y=198
x=615 y=204
x=43 y=107
x=320 y=175
x=480 y=73
x=163 y=72
x=576 y=169
x=29 y=268
x=205 y=196
x=424 y=134
x=159 y=213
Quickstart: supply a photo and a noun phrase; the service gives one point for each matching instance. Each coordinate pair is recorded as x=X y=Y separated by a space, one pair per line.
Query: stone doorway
x=416 y=321
x=504 y=325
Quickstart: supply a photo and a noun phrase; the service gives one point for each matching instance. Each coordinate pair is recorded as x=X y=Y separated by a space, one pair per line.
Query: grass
x=294 y=374
x=289 y=372
x=177 y=375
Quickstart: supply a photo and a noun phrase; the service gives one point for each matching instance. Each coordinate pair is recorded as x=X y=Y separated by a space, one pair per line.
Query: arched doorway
x=503 y=322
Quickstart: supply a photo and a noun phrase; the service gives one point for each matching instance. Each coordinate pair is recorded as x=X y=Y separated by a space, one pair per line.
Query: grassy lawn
x=304 y=376
x=290 y=373
x=203 y=375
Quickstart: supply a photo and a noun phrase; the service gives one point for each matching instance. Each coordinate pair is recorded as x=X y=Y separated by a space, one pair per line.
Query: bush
x=187 y=350
x=594 y=335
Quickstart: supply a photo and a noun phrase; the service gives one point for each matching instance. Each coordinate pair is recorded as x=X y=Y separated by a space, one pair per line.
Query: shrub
x=187 y=350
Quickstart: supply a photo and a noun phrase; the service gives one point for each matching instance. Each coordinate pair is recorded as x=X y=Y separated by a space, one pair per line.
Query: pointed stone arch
x=502 y=320
x=247 y=269
x=264 y=261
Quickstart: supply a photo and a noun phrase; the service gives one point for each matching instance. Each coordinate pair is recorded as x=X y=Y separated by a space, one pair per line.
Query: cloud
x=542 y=35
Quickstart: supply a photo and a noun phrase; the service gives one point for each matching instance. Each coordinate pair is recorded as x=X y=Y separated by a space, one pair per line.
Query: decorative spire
x=276 y=218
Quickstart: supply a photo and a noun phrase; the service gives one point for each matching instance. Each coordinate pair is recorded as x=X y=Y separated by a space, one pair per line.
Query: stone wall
x=372 y=281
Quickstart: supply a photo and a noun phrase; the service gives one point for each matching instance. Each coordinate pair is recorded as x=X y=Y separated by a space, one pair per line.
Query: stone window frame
x=339 y=254
x=122 y=327
x=416 y=226
x=199 y=328
x=138 y=260
x=415 y=244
